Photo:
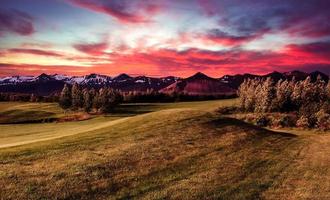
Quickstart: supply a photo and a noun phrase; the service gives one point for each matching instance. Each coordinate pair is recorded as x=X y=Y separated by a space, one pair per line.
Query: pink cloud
x=94 y=49
x=35 y=52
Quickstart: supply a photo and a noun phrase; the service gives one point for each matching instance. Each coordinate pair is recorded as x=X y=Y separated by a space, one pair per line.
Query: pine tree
x=242 y=94
x=266 y=96
x=257 y=96
x=88 y=99
x=108 y=99
x=307 y=94
x=96 y=100
x=284 y=90
x=65 y=98
x=296 y=96
x=77 y=97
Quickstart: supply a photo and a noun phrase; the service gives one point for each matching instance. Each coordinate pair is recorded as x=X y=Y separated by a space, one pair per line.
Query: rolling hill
x=191 y=153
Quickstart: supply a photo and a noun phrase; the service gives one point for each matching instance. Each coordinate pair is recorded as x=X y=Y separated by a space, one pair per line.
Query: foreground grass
x=178 y=151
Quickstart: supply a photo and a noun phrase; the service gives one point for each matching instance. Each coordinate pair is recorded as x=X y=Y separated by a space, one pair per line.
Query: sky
x=163 y=37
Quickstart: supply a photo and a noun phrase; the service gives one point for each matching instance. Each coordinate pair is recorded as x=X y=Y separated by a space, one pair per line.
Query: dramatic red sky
x=163 y=37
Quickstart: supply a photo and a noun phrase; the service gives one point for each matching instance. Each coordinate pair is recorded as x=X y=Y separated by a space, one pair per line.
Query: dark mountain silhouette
x=297 y=75
x=122 y=77
x=315 y=74
x=198 y=84
x=234 y=81
x=276 y=76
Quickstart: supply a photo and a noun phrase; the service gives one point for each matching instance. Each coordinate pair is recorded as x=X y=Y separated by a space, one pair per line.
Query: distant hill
x=198 y=84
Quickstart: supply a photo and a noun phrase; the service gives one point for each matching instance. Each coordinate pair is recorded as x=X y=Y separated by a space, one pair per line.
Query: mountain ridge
x=199 y=83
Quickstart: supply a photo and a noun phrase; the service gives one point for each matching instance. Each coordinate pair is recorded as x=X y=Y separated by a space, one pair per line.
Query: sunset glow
x=163 y=37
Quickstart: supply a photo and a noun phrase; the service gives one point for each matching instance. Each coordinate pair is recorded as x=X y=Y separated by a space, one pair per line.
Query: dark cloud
x=224 y=38
x=310 y=18
x=122 y=10
x=93 y=49
x=14 y=21
x=321 y=49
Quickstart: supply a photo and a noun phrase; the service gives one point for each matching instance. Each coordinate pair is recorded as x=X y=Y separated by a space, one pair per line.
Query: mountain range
x=198 y=84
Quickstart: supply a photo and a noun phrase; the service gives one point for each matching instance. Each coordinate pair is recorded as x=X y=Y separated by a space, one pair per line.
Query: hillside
x=192 y=153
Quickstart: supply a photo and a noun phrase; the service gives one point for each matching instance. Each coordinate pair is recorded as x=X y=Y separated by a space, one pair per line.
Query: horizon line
x=161 y=76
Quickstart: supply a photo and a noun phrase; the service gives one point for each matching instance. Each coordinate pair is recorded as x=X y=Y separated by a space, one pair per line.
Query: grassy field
x=158 y=151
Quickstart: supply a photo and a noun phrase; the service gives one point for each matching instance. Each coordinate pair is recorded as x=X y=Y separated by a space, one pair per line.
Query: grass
x=25 y=132
x=163 y=151
x=18 y=112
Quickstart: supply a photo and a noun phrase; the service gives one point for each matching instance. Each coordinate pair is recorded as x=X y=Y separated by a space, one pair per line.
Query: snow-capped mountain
x=55 y=82
x=16 y=79
x=91 y=79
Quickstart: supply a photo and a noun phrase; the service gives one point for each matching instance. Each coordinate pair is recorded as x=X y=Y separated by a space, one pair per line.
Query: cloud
x=124 y=11
x=248 y=17
x=226 y=39
x=320 y=50
x=14 y=21
x=35 y=52
x=94 y=49
x=35 y=69
x=35 y=44
x=223 y=62
x=187 y=62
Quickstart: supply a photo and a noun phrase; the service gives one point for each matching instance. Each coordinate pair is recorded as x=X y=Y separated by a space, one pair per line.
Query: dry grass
x=176 y=152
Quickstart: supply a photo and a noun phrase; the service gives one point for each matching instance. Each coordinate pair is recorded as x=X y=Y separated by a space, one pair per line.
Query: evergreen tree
x=96 y=100
x=88 y=99
x=284 y=91
x=108 y=99
x=266 y=96
x=77 y=97
x=242 y=94
x=296 y=96
x=65 y=98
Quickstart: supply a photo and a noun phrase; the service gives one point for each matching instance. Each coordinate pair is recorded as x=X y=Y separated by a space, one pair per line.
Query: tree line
x=150 y=96
x=102 y=100
x=308 y=101
x=4 y=96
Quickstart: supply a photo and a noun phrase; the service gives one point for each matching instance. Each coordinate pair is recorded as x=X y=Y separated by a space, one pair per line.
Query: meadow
x=184 y=150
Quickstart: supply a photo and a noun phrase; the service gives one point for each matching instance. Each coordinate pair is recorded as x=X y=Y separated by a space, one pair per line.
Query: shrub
x=287 y=121
x=303 y=122
x=262 y=121
x=323 y=120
